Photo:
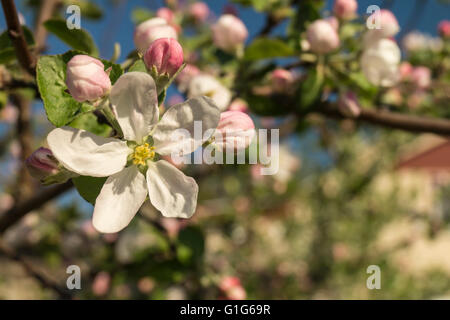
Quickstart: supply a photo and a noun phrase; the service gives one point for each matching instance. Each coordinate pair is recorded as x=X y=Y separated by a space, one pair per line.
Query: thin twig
x=45 y=12
x=25 y=137
x=15 y=31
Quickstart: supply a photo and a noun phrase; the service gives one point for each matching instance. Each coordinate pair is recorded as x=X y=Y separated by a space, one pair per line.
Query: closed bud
x=235 y=131
x=421 y=77
x=405 y=70
x=444 y=28
x=386 y=24
x=322 y=37
x=334 y=22
x=86 y=78
x=166 y=14
x=165 y=55
x=42 y=163
x=348 y=105
x=229 y=33
x=238 y=105
x=345 y=9
x=282 y=80
x=199 y=11
x=151 y=30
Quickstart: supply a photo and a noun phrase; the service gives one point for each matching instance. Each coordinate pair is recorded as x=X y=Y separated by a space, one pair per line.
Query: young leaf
x=78 y=39
x=265 y=48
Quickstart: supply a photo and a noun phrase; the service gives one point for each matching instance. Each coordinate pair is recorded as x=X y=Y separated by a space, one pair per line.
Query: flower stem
x=108 y=113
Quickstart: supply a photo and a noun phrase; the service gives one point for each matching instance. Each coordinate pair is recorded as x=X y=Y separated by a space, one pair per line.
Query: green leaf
x=139 y=15
x=89 y=9
x=191 y=245
x=77 y=39
x=59 y=105
x=265 y=48
x=139 y=66
x=7 y=51
x=89 y=122
x=89 y=187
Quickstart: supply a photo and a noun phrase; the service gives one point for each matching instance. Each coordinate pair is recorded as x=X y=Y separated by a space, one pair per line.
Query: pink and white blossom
x=229 y=33
x=41 y=163
x=166 y=55
x=86 y=78
x=151 y=30
x=345 y=9
x=199 y=11
x=235 y=131
x=166 y=14
x=322 y=37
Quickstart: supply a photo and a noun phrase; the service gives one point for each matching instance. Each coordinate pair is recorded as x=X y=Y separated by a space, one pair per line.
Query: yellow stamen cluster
x=142 y=153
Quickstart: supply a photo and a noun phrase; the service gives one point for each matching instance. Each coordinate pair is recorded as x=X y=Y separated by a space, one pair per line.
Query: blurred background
x=345 y=197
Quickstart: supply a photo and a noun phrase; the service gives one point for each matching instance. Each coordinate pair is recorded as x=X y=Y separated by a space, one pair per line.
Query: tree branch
x=393 y=120
x=24 y=135
x=29 y=268
x=15 y=31
x=14 y=214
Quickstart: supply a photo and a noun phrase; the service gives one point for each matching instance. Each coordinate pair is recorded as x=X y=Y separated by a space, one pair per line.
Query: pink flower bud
x=42 y=163
x=199 y=11
x=388 y=23
x=232 y=288
x=235 y=131
x=334 y=22
x=166 y=14
x=229 y=33
x=444 y=28
x=282 y=80
x=151 y=30
x=421 y=77
x=238 y=105
x=166 y=55
x=322 y=37
x=349 y=105
x=86 y=78
x=345 y=9
x=101 y=283
x=405 y=70
x=229 y=282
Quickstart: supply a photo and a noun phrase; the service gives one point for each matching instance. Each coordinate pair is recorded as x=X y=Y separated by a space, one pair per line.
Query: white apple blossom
x=130 y=164
x=380 y=63
x=206 y=85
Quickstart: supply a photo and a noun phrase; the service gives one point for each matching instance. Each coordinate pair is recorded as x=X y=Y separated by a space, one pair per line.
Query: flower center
x=142 y=153
x=209 y=94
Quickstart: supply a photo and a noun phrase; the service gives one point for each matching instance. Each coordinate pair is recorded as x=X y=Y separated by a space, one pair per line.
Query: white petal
x=87 y=154
x=119 y=200
x=168 y=139
x=170 y=191
x=135 y=102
